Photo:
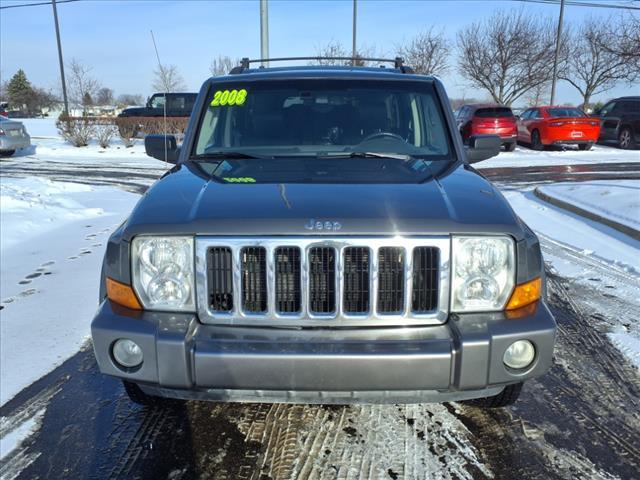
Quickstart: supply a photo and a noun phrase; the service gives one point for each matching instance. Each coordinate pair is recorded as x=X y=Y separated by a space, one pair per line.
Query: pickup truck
x=323 y=238
x=178 y=105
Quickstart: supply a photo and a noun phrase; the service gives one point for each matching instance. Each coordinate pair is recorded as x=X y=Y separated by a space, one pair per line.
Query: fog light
x=127 y=353
x=519 y=355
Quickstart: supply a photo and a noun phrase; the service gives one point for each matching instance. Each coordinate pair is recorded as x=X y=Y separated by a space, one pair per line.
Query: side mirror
x=157 y=146
x=482 y=147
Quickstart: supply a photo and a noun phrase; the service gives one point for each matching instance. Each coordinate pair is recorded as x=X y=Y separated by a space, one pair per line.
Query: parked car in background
x=545 y=126
x=13 y=136
x=620 y=122
x=178 y=105
x=488 y=119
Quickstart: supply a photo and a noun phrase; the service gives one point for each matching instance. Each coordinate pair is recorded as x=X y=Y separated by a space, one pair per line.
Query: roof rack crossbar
x=397 y=61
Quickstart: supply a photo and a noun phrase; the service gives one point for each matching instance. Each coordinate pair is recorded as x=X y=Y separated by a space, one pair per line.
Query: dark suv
x=323 y=238
x=621 y=122
x=177 y=105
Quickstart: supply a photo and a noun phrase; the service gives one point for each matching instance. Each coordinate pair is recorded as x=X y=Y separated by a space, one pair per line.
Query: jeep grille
x=333 y=281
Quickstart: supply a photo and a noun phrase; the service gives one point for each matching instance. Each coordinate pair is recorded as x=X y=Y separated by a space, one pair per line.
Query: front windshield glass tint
x=315 y=118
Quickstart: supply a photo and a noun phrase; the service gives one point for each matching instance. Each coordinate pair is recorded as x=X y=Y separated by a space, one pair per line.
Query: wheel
x=536 y=143
x=510 y=147
x=507 y=397
x=136 y=395
x=585 y=146
x=7 y=153
x=625 y=138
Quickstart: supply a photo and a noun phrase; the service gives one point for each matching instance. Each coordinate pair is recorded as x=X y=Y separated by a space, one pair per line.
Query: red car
x=545 y=126
x=488 y=119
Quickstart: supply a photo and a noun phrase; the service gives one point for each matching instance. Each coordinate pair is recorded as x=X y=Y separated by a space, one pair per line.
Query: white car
x=13 y=136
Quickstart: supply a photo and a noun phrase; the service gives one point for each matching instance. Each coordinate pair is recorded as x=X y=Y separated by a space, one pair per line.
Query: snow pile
x=40 y=127
x=618 y=200
x=53 y=237
x=525 y=157
x=30 y=207
x=628 y=344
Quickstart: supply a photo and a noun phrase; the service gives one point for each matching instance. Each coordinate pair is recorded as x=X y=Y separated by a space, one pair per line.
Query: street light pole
x=264 y=31
x=64 y=83
x=555 y=58
x=353 y=44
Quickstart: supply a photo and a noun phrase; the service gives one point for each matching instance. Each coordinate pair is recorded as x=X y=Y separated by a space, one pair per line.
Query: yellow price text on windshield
x=229 y=98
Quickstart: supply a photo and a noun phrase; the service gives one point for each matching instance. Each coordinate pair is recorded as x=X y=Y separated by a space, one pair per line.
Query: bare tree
x=507 y=54
x=104 y=96
x=336 y=49
x=81 y=84
x=538 y=94
x=623 y=39
x=222 y=65
x=167 y=79
x=594 y=66
x=127 y=99
x=427 y=52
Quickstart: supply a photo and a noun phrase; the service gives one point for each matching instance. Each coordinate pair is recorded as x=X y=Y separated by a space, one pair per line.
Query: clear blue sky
x=112 y=36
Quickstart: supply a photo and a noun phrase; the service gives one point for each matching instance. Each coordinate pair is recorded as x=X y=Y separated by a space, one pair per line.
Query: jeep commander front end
x=323 y=238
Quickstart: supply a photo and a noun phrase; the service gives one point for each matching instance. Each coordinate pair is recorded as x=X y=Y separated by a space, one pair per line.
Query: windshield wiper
x=394 y=156
x=221 y=155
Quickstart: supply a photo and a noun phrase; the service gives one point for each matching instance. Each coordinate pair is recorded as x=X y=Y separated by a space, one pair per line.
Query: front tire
x=136 y=395
x=536 y=142
x=507 y=397
x=625 y=138
x=6 y=153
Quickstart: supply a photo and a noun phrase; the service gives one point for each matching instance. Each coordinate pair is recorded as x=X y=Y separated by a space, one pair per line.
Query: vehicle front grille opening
x=391 y=280
x=356 y=280
x=424 y=295
x=322 y=280
x=254 y=279
x=288 y=290
x=220 y=279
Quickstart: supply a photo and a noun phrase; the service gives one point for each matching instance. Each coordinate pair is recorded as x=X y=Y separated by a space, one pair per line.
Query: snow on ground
x=51 y=246
x=603 y=247
x=618 y=200
x=525 y=157
x=40 y=127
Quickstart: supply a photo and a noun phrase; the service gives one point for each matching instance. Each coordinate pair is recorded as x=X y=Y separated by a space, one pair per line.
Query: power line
x=578 y=3
x=35 y=4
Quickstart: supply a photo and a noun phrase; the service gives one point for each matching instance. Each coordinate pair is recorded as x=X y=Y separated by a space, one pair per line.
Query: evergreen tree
x=19 y=90
x=87 y=101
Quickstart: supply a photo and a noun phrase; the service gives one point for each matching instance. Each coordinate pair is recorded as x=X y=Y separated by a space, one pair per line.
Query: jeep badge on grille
x=325 y=225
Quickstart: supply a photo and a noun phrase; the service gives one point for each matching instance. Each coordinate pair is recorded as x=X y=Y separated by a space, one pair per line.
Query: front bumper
x=10 y=142
x=458 y=360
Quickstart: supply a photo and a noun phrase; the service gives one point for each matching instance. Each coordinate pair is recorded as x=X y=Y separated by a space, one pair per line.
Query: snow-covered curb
x=52 y=240
x=613 y=203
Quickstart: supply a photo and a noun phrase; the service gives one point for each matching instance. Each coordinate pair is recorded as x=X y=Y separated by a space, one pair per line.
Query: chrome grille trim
x=338 y=318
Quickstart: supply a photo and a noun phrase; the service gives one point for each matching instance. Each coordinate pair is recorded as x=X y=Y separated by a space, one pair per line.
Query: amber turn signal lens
x=122 y=294
x=525 y=294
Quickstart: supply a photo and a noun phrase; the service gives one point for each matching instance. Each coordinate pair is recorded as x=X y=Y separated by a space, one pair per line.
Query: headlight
x=483 y=273
x=162 y=271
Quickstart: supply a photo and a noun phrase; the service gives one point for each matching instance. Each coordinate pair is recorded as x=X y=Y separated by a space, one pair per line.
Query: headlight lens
x=163 y=272
x=483 y=273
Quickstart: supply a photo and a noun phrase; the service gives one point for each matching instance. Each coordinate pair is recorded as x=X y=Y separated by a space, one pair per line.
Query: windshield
x=565 y=112
x=355 y=122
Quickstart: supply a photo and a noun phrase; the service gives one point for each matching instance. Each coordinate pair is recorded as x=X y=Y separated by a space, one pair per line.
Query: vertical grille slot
x=356 y=280
x=220 y=279
x=287 y=268
x=424 y=295
x=254 y=279
x=322 y=280
x=391 y=280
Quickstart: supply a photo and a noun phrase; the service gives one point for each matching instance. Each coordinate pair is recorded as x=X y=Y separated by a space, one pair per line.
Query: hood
x=185 y=203
x=133 y=112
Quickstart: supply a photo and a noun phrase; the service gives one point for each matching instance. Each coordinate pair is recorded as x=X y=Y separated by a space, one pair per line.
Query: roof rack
x=397 y=62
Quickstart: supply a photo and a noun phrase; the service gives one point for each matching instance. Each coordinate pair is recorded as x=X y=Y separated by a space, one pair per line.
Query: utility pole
x=264 y=32
x=353 y=44
x=64 y=83
x=555 y=58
